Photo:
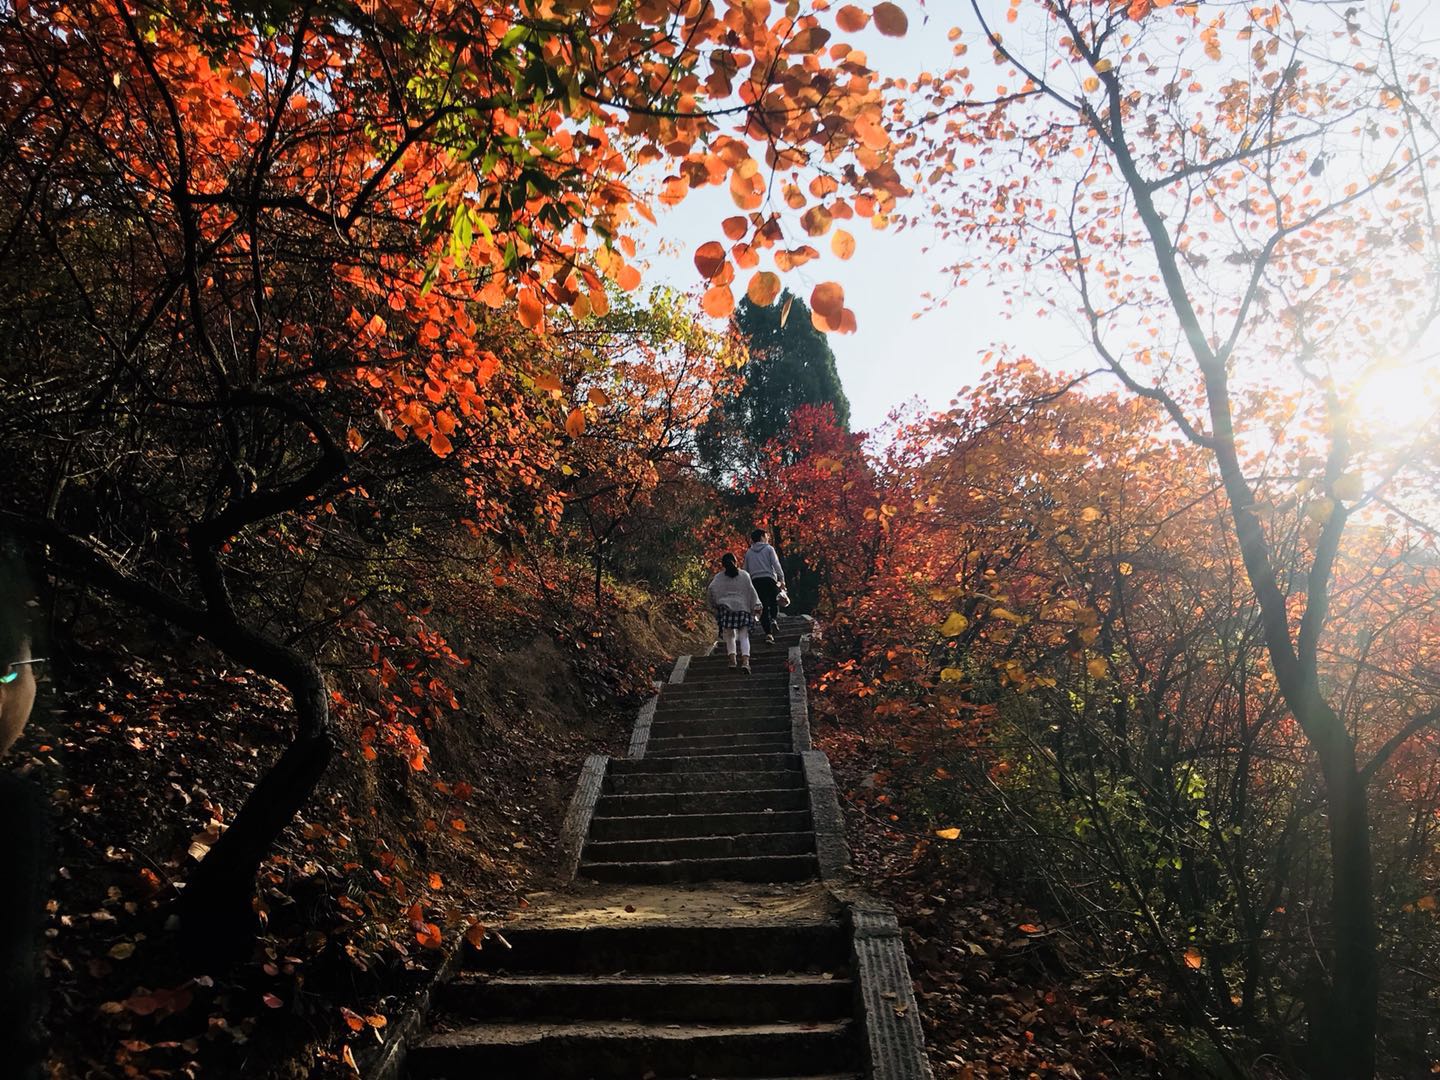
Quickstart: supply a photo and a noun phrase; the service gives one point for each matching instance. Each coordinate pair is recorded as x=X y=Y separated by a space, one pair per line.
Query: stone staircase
x=698 y=939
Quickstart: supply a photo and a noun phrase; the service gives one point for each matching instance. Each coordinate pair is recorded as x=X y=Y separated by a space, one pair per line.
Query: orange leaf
x=710 y=258
x=597 y=397
x=531 y=310
x=764 y=288
x=436 y=882
x=1193 y=959
x=851 y=18
x=785 y=312
x=628 y=278
x=575 y=423
x=718 y=302
x=353 y=1020
x=828 y=299
x=1031 y=928
x=890 y=20
x=428 y=936
x=476 y=935
x=842 y=244
x=735 y=227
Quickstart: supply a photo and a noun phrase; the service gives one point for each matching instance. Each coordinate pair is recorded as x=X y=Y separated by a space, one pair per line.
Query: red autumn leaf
x=890 y=20
x=735 y=227
x=710 y=258
x=828 y=299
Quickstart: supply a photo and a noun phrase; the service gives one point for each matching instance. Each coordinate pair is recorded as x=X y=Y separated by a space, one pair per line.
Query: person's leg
x=769 y=590
x=744 y=636
x=728 y=636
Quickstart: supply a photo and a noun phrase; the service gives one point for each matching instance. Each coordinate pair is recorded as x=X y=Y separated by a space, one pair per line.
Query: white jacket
x=761 y=561
x=733 y=593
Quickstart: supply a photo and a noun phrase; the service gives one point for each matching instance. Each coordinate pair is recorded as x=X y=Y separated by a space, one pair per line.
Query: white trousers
x=731 y=636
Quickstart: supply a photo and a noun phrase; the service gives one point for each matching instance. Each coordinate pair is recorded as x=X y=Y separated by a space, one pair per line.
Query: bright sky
x=894 y=358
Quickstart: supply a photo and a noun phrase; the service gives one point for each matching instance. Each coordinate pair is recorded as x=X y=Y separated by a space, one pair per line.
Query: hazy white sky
x=894 y=357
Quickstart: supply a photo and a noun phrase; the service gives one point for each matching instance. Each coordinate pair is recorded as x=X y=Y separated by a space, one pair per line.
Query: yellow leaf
x=1091 y=84
x=1126 y=569
x=1103 y=66
x=122 y=950
x=951 y=674
x=1008 y=615
x=1320 y=510
x=1090 y=513
x=1349 y=487
x=955 y=625
x=951 y=833
x=1098 y=667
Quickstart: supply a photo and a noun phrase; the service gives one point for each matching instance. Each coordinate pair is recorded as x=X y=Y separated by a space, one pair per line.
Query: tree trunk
x=1346 y=1029
x=218 y=920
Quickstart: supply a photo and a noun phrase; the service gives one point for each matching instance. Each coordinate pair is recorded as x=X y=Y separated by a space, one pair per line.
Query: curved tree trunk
x=218 y=921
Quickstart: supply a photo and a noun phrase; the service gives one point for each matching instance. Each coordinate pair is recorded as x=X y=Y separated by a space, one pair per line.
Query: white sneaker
x=770 y=639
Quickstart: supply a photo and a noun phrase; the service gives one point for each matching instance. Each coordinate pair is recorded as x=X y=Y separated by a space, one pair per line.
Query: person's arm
x=779 y=569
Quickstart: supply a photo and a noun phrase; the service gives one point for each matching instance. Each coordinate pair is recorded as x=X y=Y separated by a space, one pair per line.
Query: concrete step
x=715 y=684
x=729 y=743
x=744 y=724
x=679 y=848
x=771 y=664
x=690 y=748
x=774 y=716
x=751 y=948
x=629 y=1049
x=756 y=868
x=705 y=763
x=753 y=801
x=647 y=827
x=724 y=705
x=654 y=783
x=690 y=997
x=761 y=670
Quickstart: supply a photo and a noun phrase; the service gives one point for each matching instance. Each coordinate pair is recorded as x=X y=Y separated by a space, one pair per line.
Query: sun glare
x=1400 y=401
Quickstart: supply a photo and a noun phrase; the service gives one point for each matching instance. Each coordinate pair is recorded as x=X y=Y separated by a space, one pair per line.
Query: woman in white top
x=734 y=600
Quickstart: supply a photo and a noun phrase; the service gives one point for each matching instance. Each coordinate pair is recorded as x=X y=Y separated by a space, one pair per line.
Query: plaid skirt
x=734 y=620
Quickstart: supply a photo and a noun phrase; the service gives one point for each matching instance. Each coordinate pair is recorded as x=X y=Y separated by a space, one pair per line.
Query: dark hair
x=728 y=561
x=757 y=535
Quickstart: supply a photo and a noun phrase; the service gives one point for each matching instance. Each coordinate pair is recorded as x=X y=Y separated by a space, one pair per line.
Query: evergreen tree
x=790 y=365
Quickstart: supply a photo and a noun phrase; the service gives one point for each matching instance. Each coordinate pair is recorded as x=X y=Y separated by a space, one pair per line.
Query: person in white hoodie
x=763 y=566
x=734 y=600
